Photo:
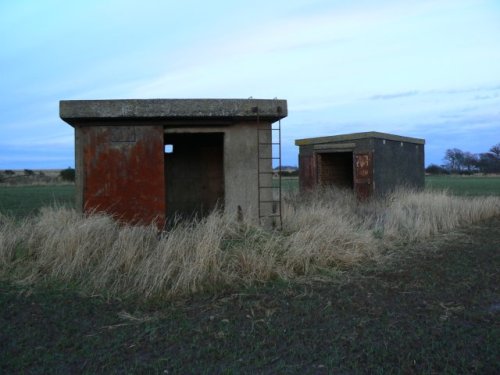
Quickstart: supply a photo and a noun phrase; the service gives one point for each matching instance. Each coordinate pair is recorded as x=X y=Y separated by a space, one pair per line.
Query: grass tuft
x=322 y=231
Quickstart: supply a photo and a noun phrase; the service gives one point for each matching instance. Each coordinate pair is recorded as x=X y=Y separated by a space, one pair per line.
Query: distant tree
x=9 y=172
x=2 y=177
x=68 y=174
x=489 y=162
x=458 y=161
x=470 y=161
x=485 y=163
x=28 y=172
x=495 y=150
x=436 y=169
x=455 y=159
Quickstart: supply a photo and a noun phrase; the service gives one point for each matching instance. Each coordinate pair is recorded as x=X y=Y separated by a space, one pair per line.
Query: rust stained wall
x=307 y=172
x=123 y=172
x=363 y=175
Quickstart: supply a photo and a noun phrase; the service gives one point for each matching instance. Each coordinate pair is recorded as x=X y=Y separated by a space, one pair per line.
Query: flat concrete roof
x=355 y=136
x=80 y=111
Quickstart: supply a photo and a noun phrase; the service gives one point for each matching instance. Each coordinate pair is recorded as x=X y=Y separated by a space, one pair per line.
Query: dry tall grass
x=321 y=230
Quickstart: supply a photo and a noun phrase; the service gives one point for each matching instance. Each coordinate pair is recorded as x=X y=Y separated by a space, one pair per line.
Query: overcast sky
x=425 y=68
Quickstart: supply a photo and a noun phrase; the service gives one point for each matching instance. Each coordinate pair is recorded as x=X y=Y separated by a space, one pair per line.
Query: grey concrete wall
x=241 y=169
x=73 y=111
x=398 y=164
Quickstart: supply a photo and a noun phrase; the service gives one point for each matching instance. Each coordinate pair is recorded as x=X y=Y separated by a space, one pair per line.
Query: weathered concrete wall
x=172 y=109
x=396 y=164
x=308 y=171
x=120 y=171
x=241 y=169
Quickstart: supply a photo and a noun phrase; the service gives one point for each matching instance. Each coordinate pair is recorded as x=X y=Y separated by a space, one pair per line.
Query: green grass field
x=465 y=185
x=21 y=201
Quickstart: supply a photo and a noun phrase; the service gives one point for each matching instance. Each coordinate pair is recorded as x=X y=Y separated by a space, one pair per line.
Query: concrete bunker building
x=150 y=160
x=370 y=163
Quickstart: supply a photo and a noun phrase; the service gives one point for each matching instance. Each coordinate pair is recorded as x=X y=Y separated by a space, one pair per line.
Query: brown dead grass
x=323 y=230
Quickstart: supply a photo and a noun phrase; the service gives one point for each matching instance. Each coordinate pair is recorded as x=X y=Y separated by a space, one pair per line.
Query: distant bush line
x=29 y=176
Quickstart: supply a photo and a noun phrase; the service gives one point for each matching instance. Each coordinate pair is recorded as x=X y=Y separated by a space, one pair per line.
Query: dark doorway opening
x=194 y=174
x=336 y=168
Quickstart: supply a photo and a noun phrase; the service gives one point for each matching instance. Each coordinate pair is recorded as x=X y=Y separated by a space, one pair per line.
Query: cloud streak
x=494 y=89
x=394 y=96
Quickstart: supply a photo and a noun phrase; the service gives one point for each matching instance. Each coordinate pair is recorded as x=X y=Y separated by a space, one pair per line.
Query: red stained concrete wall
x=363 y=175
x=307 y=172
x=124 y=172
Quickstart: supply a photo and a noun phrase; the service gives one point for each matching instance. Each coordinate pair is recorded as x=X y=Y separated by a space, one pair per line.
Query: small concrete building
x=152 y=160
x=370 y=163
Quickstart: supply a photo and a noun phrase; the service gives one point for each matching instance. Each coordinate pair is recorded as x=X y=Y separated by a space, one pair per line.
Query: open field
x=465 y=185
x=408 y=284
x=31 y=177
x=22 y=201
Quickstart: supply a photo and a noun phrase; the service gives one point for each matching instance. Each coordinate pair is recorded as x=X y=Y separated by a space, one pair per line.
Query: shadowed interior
x=194 y=173
x=335 y=168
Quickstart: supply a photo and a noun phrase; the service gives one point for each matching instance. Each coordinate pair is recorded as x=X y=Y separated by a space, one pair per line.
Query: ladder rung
x=266 y=158
x=267 y=172
x=269 y=202
x=268 y=187
x=269 y=143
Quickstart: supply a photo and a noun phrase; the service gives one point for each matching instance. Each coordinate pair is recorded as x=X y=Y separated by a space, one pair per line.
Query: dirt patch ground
x=433 y=310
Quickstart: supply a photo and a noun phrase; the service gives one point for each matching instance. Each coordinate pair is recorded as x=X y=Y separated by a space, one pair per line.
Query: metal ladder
x=269 y=205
